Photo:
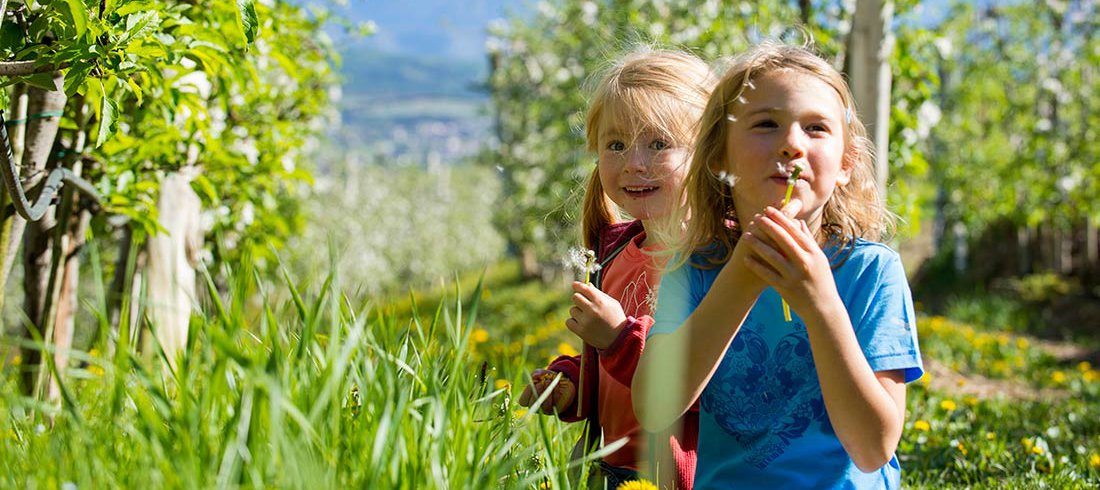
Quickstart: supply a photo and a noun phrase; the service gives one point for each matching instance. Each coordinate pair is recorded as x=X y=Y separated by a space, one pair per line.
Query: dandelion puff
x=582 y=260
x=726 y=178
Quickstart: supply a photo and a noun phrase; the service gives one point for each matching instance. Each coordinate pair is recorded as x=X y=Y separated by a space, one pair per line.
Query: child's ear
x=851 y=159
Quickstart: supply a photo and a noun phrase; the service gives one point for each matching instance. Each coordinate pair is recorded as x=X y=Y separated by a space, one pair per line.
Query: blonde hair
x=711 y=221
x=662 y=90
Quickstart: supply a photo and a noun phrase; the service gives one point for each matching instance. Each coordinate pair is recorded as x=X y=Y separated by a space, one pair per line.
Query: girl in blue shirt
x=817 y=401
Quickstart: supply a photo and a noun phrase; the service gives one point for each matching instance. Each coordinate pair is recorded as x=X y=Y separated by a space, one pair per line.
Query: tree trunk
x=1023 y=250
x=530 y=263
x=870 y=47
x=36 y=266
x=16 y=134
x=170 y=270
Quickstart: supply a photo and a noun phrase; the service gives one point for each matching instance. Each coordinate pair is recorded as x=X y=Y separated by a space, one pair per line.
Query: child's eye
x=817 y=128
x=616 y=146
x=659 y=145
x=765 y=123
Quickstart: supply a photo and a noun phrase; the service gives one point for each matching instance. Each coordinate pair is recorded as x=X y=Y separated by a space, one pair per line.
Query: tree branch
x=19 y=68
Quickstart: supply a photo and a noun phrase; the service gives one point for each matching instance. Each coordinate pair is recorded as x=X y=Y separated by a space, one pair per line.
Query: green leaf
x=43 y=81
x=78 y=14
x=75 y=77
x=247 y=19
x=108 y=111
x=132 y=7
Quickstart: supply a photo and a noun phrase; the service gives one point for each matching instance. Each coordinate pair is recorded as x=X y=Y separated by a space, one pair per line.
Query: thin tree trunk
x=1023 y=250
x=16 y=136
x=870 y=47
x=1092 y=251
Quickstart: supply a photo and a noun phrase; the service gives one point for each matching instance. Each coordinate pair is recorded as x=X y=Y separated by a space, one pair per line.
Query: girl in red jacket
x=641 y=124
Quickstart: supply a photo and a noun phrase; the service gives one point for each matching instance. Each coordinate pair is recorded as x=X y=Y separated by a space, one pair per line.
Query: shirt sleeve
x=675 y=301
x=884 y=319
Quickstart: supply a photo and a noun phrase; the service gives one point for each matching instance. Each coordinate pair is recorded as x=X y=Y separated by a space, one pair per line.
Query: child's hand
x=595 y=316
x=785 y=254
x=557 y=401
x=743 y=250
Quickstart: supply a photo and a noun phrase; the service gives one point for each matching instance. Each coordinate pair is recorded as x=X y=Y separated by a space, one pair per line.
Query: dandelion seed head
x=727 y=178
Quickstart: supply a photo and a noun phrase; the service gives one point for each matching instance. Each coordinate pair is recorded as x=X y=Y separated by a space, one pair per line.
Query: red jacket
x=620 y=359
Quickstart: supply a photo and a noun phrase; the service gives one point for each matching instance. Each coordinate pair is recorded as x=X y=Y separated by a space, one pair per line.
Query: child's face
x=641 y=171
x=791 y=117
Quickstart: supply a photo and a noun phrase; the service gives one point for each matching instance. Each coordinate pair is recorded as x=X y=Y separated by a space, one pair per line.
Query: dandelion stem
x=791 y=181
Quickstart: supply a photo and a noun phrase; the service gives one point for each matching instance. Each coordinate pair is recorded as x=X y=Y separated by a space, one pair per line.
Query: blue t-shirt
x=763 y=422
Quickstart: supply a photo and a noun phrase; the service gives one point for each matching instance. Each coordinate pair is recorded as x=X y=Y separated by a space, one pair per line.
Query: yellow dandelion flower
x=1000 y=367
x=1084 y=366
x=961 y=382
x=1003 y=339
x=970 y=400
x=989 y=436
x=1019 y=362
x=566 y=349
x=1038 y=450
x=1091 y=375
x=1094 y=459
x=922 y=426
x=948 y=405
x=637 y=485
x=529 y=339
x=1021 y=343
x=926 y=379
x=479 y=335
x=96 y=370
x=961 y=448
x=1058 y=377
x=93 y=353
x=1027 y=443
x=937 y=322
x=519 y=413
x=545 y=485
x=501 y=384
x=16 y=360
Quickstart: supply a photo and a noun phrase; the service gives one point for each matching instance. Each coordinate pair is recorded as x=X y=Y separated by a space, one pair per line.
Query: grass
x=316 y=391
x=312 y=388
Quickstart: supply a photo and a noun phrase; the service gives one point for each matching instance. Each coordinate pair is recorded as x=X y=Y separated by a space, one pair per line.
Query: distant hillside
x=373 y=74
x=413 y=108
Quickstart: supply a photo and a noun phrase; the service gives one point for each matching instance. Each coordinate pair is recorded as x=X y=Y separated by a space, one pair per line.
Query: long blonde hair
x=709 y=215
x=658 y=89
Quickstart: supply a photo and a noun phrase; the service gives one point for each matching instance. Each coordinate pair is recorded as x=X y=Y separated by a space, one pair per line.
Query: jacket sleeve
x=570 y=367
x=620 y=359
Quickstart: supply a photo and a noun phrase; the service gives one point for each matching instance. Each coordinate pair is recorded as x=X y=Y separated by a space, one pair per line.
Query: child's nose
x=637 y=159
x=794 y=145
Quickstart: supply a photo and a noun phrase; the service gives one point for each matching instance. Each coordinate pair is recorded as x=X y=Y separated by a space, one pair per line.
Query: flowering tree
x=1021 y=90
x=141 y=89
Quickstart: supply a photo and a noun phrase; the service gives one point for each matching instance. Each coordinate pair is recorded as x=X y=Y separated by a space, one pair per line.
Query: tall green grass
x=298 y=390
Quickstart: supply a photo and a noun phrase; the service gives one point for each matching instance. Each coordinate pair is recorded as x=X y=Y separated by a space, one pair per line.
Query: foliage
x=542 y=68
x=1020 y=94
x=237 y=87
